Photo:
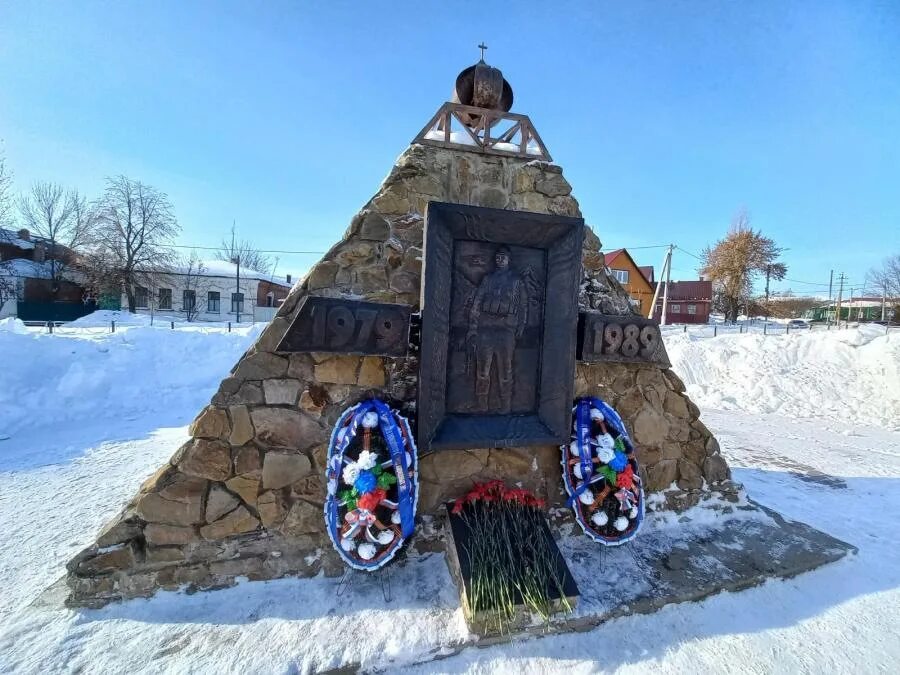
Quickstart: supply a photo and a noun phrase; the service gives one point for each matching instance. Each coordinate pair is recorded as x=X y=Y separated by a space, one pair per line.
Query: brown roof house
x=634 y=279
x=689 y=302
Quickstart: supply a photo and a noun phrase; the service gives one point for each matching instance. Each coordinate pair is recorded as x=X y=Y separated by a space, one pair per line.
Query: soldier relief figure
x=497 y=316
x=497 y=319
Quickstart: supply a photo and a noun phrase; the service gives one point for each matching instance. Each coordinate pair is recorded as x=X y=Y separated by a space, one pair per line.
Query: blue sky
x=667 y=117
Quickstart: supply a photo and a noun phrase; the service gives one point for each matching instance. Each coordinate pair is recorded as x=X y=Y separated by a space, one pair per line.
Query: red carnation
x=457 y=506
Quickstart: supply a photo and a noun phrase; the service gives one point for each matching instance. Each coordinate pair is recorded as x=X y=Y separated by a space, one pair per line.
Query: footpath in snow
x=816 y=449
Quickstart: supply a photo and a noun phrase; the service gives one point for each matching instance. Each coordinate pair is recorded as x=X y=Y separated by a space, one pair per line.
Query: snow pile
x=51 y=380
x=12 y=325
x=102 y=318
x=851 y=375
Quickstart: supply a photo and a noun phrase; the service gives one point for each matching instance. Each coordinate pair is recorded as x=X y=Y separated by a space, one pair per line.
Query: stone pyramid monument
x=244 y=496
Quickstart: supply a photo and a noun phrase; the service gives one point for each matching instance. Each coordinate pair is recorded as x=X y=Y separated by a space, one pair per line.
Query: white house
x=212 y=290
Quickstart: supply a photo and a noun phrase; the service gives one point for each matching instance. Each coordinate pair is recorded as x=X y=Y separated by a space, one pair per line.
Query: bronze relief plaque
x=499 y=319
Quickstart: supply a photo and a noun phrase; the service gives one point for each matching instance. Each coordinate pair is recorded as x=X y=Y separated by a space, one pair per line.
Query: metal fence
x=65 y=328
x=760 y=327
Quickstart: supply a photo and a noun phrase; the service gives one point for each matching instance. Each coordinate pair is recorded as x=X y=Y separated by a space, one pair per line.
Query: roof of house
x=12 y=238
x=228 y=270
x=687 y=290
x=608 y=258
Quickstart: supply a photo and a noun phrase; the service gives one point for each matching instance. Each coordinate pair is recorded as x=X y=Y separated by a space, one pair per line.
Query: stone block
x=158 y=534
x=354 y=253
x=371 y=372
x=374 y=228
x=250 y=393
x=313 y=400
x=322 y=275
x=553 y=185
x=261 y=366
x=218 y=503
x=286 y=428
x=178 y=503
x=163 y=556
x=238 y=521
x=282 y=468
x=650 y=428
x=300 y=368
x=121 y=558
x=241 y=426
x=390 y=202
x=247 y=487
x=404 y=282
x=676 y=405
x=674 y=380
x=338 y=370
x=715 y=469
x=492 y=197
x=271 y=508
x=281 y=392
x=207 y=459
x=303 y=518
x=372 y=278
x=246 y=460
x=689 y=476
x=211 y=423
x=117 y=531
x=661 y=475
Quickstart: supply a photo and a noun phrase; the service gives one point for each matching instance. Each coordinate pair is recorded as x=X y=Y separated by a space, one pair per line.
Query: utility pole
x=768 y=274
x=837 y=311
x=665 y=307
x=830 y=283
x=663 y=270
x=236 y=259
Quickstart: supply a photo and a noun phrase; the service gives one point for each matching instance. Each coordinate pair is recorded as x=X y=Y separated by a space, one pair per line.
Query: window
x=140 y=296
x=270 y=299
x=212 y=302
x=165 y=298
x=188 y=301
x=692 y=309
x=675 y=309
x=237 y=302
x=621 y=276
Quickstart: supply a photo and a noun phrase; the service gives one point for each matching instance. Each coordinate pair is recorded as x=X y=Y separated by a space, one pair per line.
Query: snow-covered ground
x=808 y=422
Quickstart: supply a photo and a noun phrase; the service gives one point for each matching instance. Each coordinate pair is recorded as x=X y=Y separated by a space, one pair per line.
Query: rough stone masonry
x=244 y=496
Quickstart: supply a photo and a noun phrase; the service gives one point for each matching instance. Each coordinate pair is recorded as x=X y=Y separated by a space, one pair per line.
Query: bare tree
x=735 y=262
x=886 y=279
x=195 y=287
x=60 y=218
x=245 y=254
x=6 y=199
x=134 y=226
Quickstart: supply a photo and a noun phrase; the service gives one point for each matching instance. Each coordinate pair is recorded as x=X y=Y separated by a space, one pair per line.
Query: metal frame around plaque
x=489 y=375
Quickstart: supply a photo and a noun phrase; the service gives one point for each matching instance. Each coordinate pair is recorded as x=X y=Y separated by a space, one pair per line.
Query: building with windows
x=634 y=279
x=212 y=290
x=37 y=281
x=689 y=302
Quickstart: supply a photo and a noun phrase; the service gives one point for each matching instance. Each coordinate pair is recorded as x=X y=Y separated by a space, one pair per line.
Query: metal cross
x=482 y=47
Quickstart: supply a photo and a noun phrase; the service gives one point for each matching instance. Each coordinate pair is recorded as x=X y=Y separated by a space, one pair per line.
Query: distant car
x=798 y=323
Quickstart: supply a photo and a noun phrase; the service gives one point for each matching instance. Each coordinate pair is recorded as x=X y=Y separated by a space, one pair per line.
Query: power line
x=259 y=250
